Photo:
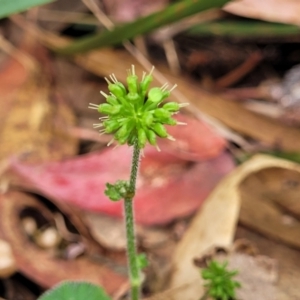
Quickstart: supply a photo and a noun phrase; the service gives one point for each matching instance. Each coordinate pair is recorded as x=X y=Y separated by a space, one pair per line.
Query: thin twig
x=239 y=72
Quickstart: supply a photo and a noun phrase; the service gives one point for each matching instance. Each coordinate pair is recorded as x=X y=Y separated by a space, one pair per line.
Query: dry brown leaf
x=286 y=11
x=43 y=266
x=270 y=202
x=34 y=119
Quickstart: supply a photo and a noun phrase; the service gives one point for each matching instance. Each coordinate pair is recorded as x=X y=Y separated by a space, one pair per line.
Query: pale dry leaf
x=286 y=11
x=106 y=230
x=257 y=276
x=214 y=224
x=110 y=232
x=7 y=261
x=270 y=203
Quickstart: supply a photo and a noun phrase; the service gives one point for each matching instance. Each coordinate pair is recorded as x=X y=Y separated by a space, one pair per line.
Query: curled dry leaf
x=270 y=202
x=214 y=225
x=43 y=266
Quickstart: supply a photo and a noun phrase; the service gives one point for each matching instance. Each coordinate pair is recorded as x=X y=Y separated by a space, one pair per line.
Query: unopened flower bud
x=151 y=137
x=109 y=109
x=160 y=130
x=117 y=90
x=142 y=138
x=171 y=106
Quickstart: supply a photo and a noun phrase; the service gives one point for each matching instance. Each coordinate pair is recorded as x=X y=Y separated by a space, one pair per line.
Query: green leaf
x=69 y=290
x=171 y=14
x=9 y=7
x=117 y=191
x=142 y=261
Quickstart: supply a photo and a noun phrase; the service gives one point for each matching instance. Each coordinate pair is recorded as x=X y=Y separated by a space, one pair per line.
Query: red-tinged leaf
x=12 y=75
x=167 y=188
x=195 y=141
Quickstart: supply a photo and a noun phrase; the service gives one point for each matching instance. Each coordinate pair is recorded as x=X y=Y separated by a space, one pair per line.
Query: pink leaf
x=171 y=184
x=194 y=141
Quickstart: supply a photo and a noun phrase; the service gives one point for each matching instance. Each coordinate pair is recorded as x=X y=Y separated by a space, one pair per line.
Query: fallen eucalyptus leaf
x=214 y=224
x=168 y=187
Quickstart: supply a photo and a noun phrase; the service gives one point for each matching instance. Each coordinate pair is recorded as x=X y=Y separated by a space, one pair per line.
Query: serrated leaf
x=9 y=7
x=117 y=191
x=69 y=290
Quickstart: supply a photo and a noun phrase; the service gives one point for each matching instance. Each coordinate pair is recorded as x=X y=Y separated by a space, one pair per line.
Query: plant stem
x=134 y=271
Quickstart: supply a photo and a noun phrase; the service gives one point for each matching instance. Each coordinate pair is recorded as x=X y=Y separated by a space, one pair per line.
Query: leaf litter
x=276 y=196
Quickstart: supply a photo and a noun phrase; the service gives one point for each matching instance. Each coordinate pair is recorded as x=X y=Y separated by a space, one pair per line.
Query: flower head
x=136 y=113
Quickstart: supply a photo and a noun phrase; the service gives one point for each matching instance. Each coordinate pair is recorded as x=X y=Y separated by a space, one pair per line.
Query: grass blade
x=143 y=25
x=244 y=29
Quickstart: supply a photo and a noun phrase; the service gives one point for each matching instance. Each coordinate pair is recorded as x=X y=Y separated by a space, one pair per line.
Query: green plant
x=172 y=13
x=220 y=285
x=134 y=116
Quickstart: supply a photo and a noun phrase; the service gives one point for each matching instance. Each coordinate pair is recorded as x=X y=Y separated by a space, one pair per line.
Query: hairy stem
x=134 y=271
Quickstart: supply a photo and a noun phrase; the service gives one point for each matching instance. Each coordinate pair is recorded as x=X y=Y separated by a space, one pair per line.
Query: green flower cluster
x=220 y=284
x=134 y=112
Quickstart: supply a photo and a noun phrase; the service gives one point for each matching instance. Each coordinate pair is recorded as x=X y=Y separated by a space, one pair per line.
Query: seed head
x=135 y=112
